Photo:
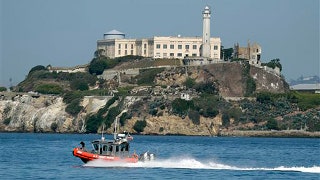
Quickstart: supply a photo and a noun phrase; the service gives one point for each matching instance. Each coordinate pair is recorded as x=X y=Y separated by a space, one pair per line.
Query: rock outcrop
x=43 y=113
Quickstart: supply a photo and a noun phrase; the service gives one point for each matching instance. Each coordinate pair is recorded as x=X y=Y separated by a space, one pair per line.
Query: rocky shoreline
x=235 y=133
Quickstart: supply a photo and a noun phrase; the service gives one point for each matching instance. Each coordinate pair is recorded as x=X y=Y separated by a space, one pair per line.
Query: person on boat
x=83 y=145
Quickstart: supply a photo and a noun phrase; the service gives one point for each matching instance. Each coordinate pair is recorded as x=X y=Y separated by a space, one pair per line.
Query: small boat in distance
x=116 y=150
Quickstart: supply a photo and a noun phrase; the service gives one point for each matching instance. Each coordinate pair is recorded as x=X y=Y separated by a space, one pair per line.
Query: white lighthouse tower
x=206 y=13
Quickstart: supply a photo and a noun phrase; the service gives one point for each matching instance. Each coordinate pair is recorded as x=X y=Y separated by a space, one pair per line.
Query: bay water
x=49 y=156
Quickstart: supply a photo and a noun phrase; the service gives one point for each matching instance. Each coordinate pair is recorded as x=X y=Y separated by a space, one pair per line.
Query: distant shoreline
x=235 y=133
x=283 y=133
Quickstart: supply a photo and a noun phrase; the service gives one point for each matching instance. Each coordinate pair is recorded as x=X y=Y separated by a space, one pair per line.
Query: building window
x=131 y=52
x=131 y=46
x=187 y=55
x=126 y=46
x=187 y=46
x=164 y=46
x=158 y=46
x=257 y=50
x=119 y=51
x=171 y=54
x=157 y=54
x=215 y=47
x=179 y=54
x=119 y=46
x=179 y=46
x=194 y=47
x=145 y=52
x=125 y=52
x=145 y=45
x=164 y=54
x=171 y=46
x=194 y=55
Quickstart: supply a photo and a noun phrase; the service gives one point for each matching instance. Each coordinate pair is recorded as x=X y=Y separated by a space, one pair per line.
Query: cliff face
x=30 y=113
x=229 y=77
x=41 y=114
x=24 y=113
x=268 y=82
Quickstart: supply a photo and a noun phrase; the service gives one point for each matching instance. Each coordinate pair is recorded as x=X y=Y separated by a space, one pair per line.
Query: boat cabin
x=111 y=148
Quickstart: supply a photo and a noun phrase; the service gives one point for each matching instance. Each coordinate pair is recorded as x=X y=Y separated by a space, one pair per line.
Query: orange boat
x=116 y=150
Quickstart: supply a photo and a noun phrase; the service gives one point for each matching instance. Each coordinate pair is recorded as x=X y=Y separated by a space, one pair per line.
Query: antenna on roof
x=102 y=137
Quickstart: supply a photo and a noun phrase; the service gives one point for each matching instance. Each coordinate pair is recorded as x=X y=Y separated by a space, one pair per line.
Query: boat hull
x=88 y=156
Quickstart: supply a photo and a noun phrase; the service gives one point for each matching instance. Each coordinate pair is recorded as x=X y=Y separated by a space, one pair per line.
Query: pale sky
x=64 y=32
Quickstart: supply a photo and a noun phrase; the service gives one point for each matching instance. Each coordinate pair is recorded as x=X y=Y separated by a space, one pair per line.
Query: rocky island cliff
x=215 y=99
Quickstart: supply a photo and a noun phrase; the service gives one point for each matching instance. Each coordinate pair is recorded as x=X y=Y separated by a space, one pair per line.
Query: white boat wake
x=191 y=163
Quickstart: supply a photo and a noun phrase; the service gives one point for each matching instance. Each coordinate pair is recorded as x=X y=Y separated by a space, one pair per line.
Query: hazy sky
x=64 y=32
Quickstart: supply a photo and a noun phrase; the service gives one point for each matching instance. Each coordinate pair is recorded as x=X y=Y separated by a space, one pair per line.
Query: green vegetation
x=97 y=66
x=226 y=53
x=225 y=120
x=272 y=124
x=306 y=100
x=49 y=89
x=37 y=68
x=146 y=76
x=194 y=116
x=139 y=126
x=249 y=81
x=124 y=91
x=100 y=62
x=39 y=75
x=2 y=89
x=181 y=106
x=7 y=121
x=207 y=87
x=189 y=83
x=273 y=63
x=54 y=126
x=303 y=100
x=78 y=84
x=123 y=118
x=74 y=108
x=93 y=122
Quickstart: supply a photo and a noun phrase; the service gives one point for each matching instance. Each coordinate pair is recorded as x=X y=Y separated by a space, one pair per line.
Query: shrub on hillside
x=225 y=119
x=37 y=68
x=206 y=87
x=194 y=116
x=7 y=121
x=74 y=108
x=78 y=84
x=93 y=122
x=250 y=86
x=123 y=118
x=97 y=66
x=272 y=124
x=71 y=95
x=49 y=89
x=146 y=77
x=189 y=83
x=3 y=89
x=210 y=112
x=54 y=126
x=181 y=106
x=111 y=116
x=140 y=125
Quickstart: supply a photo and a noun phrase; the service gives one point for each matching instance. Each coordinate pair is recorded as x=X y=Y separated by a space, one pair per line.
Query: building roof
x=305 y=87
x=114 y=32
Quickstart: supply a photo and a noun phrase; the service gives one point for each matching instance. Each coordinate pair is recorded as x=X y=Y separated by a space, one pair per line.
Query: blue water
x=48 y=156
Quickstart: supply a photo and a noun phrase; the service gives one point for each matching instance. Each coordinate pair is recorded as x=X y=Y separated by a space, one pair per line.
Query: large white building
x=115 y=44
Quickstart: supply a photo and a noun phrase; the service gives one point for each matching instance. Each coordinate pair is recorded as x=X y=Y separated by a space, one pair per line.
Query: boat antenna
x=102 y=137
x=115 y=128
